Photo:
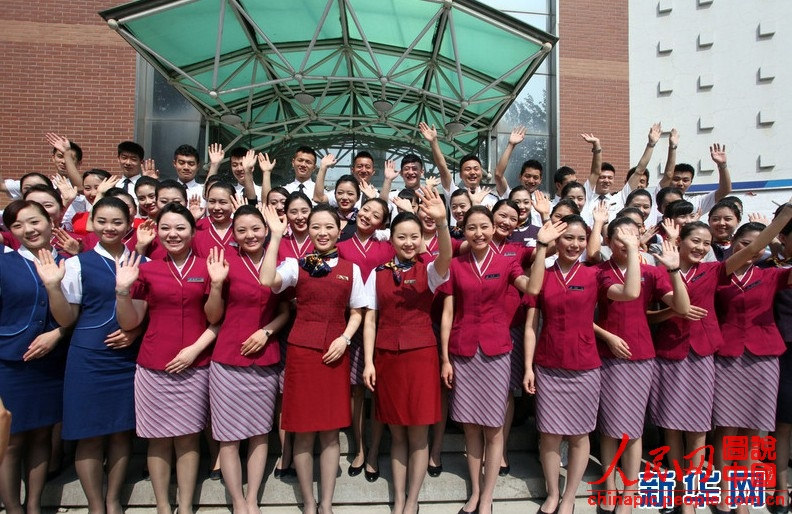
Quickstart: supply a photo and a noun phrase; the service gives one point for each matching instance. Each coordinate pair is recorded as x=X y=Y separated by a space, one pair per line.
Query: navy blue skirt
x=33 y=392
x=98 y=392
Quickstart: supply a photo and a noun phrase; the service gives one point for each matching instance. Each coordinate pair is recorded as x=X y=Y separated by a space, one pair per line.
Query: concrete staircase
x=525 y=481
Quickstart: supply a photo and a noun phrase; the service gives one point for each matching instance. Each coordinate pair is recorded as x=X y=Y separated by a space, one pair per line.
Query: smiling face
x=523 y=201
x=147 y=200
x=411 y=174
x=371 y=217
x=59 y=158
x=303 y=165
x=406 y=240
x=249 y=233
x=218 y=205
x=175 y=233
x=50 y=205
x=604 y=182
x=506 y=220
x=91 y=187
x=278 y=201
x=168 y=195
x=479 y=231
x=110 y=225
x=571 y=243
x=723 y=223
x=346 y=196
x=32 y=229
x=531 y=178
x=459 y=206
x=695 y=246
x=643 y=204
x=129 y=163
x=577 y=195
x=323 y=231
x=363 y=169
x=471 y=174
x=297 y=216
x=237 y=168
x=745 y=239
x=186 y=167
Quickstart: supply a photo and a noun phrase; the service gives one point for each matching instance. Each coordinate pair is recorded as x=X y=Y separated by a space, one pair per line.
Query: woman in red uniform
x=627 y=353
x=566 y=378
x=402 y=365
x=243 y=375
x=746 y=366
x=476 y=347
x=368 y=253
x=215 y=229
x=172 y=376
x=316 y=386
x=296 y=244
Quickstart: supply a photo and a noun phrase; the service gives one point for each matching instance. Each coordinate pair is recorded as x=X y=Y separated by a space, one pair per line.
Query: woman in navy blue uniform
x=31 y=358
x=98 y=393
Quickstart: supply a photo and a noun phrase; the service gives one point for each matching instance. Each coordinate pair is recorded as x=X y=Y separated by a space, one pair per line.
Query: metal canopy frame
x=351 y=88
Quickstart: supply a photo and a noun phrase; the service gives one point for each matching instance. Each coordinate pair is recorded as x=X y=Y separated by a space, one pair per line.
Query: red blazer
x=628 y=319
x=249 y=306
x=206 y=238
x=403 y=321
x=522 y=256
x=675 y=337
x=480 y=316
x=567 y=305
x=321 y=307
x=175 y=310
x=745 y=311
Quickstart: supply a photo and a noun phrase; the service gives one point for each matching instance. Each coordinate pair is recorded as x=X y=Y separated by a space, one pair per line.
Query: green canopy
x=330 y=73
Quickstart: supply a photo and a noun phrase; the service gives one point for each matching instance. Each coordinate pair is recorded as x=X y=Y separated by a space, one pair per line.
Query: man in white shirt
x=66 y=156
x=303 y=164
x=241 y=170
x=530 y=173
x=130 y=158
x=186 y=163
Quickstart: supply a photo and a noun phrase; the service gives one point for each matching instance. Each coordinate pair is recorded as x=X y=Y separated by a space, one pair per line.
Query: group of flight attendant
x=255 y=317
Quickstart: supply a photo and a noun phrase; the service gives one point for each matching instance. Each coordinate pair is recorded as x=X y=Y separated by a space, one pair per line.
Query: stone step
x=525 y=482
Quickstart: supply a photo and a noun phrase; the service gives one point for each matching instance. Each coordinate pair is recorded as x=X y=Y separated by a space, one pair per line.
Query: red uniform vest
x=403 y=321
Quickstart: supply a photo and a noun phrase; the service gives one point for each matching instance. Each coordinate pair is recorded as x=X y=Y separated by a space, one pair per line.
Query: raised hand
x=328 y=161
x=550 y=232
x=66 y=242
x=67 y=190
x=60 y=143
x=428 y=133
x=106 y=184
x=627 y=238
x=149 y=169
x=236 y=202
x=517 y=135
x=654 y=134
x=432 y=181
x=673 y=138
x=42 y=345
x=368 y=190
x=671 y=229
x=590 y=138
x=432 y=205
x=274 y=222
x=50 y=272
x=254 y=343
x=249 y=161
x=600 y=212
x=479 y=196
x=127 y=271
x=718 y=154
x=265 y=164
x=403 y=204
x=146 y=232
x=217 y=266
x=755 y=217
x=541 y=204
x=648 y=234
x=194 y=205
x=390 y=170
x=670 y=255
x=216 y=153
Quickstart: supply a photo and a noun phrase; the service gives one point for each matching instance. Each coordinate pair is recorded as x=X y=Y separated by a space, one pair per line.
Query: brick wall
x=65 y=72
x=594 y=83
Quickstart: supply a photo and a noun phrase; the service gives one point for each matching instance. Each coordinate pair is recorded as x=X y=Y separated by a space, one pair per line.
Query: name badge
x=411 y=281
x=751 y=286
x=576 y=288
x=643 y=279
x=509 y=254
x=195 y=279
x=343 y=277
x=698 y=276
x=491 y=276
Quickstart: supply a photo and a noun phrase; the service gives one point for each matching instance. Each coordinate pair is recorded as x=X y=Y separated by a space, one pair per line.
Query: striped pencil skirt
x=624 y=397
x=242 y=400
x=683 y=392
x=480 y=389
x=746 y=392
x=566 y=400
x=171 y=404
